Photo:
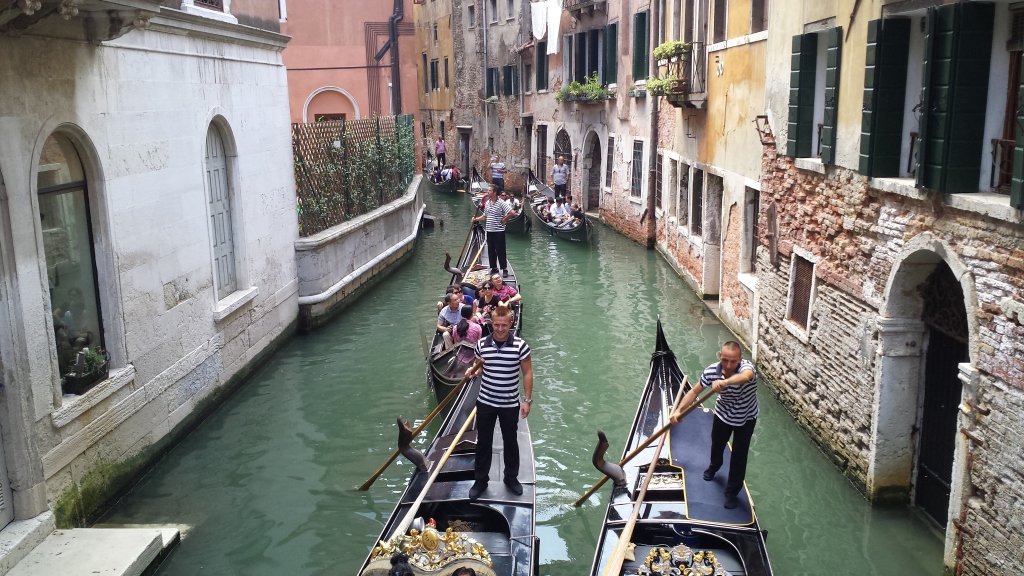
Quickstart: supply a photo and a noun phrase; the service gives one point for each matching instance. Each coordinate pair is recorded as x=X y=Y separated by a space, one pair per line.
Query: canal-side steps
x=91 y=551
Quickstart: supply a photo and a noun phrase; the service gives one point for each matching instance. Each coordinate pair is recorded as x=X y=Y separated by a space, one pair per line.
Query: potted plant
x=90 y=367
x=671 y=49
x=578 y=92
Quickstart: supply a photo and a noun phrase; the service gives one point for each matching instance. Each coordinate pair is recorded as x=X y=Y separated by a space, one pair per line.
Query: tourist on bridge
x=735 y=382
x=559 y=177
x=439 y=151
x=495 y=214
x=498 y=400
x=498 y=173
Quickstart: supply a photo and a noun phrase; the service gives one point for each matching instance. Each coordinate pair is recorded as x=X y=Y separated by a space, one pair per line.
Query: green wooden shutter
x=885 y=83
x=957 y=57
x=801 y=96
x=542 y=65
x=833 y=59
x=1017 y=184
x=580 y=53
x=640 y=47
x=611 y=53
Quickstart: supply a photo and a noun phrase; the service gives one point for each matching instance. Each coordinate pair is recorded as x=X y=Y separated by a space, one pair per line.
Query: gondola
x=451 y=186
x=681 y=521
x=446 y=366
x=577 y=230
x=518 y=224
x=494 y=535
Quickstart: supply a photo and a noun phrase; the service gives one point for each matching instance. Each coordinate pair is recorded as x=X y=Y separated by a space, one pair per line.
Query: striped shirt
x=737 y=404
x=495 y=211
x=497 y=170
x=499 y=386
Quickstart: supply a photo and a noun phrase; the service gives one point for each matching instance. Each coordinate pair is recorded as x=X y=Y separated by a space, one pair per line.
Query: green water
x=266 y=484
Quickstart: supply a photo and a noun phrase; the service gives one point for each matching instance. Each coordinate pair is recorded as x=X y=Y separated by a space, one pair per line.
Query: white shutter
x=220 y=215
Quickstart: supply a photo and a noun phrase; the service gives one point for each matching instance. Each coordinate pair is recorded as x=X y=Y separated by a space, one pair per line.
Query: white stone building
x=147 y=207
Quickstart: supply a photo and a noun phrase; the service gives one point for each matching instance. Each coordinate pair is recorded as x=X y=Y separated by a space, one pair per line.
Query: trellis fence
x=347 y=168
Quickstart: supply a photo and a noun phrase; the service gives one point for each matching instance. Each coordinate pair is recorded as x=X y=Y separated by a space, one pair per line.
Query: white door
x=220 y=214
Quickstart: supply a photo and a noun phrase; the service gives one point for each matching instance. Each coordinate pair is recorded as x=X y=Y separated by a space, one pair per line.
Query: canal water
x=266 y=485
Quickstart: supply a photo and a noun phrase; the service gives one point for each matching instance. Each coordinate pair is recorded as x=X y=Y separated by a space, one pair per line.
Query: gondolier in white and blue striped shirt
x=734 y=380
x=496 y=213
x=498 y=401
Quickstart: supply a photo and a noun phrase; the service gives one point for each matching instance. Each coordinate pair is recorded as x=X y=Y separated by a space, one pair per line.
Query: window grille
x=800 y=291
x=608 y=164
x=683 y=208
x=211 y=4
x=657 y=181
x=697 y=210
x=637 y=170
x=542 y=152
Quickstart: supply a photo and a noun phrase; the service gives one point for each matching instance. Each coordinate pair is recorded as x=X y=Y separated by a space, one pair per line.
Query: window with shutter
x=542 y=65
x=801 y=283
x=1017 y=184
x=608 y=162
x=833 y=58
x=957 y=57
x=640 y=47
x=636 y=180
x=491 y=81
x=593 y=52
x=611 y=53
x=218 y=195
x=697 y=206
x=507 y=87
x=580 y=53
x=657 y=180
x=885 y=77
x=801 y=96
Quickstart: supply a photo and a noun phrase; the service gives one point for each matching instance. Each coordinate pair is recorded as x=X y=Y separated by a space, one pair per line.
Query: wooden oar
x=366 y=485
x=411 y=514
x=700 y=400
x=614 y=565
x=468 y=235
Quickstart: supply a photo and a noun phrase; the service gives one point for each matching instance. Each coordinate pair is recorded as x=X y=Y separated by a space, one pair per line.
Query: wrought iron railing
x=698 y=67
x=211 y=4
x=571 y=5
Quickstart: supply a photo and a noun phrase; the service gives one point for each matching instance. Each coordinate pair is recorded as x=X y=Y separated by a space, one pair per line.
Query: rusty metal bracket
x=764 y=130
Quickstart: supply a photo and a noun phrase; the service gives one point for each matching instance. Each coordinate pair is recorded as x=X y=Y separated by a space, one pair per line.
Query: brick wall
x=732 y=293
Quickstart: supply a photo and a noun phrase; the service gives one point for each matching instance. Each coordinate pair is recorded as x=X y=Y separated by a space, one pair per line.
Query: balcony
x=684 y=79
x=94 y=21
x=579 y=7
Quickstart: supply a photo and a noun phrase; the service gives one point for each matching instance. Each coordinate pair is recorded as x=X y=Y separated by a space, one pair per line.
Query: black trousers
x=499 y=184
x=508 y=419
x=496 y=250
x=559 y=190
x=442 y=159
x=720 y=432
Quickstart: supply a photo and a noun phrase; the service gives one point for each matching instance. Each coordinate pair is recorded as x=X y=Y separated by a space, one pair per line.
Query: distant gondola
x=446 y=366
x=577 y=230
x=451 y=186
x=518 y=224
x=494 y=535
x=682 y=521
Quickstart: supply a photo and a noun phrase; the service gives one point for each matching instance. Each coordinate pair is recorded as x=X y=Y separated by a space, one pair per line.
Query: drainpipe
x=396 y=78
x=653 y=101
x=487 y=112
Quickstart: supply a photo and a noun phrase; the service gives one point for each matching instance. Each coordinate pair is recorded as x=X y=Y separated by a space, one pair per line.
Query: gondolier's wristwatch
x=528 y=400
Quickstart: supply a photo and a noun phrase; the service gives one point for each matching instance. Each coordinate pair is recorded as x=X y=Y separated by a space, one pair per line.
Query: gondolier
x=560 y=177
x=498 y=173
x=495 y=214
x=439 y=151
x=735 y=381
x=504 y=355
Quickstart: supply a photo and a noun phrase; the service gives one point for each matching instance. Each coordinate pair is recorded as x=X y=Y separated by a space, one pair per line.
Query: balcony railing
x=691 y=70
x=211 y=4
x=575 y=7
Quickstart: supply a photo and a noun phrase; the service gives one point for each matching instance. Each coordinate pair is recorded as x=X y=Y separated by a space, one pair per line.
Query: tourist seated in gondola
x=504 y=292
x=467 y=329
x=560 y=212
x=435 y=175
x=450 y=315
x=488 y=301
x=467 y=299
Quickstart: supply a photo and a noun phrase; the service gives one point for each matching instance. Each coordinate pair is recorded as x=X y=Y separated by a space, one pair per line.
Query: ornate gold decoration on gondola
x=681 y=560
x=431 y=552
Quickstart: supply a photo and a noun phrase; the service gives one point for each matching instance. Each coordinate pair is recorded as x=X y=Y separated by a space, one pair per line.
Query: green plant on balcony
x=674 y=80
x=577 y=91
x=671 y=49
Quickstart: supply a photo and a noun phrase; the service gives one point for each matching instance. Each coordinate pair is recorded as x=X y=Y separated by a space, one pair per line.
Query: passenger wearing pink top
x=467 y=329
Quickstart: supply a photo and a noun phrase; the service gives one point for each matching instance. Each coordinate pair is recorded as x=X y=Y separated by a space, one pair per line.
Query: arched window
x=70 y=265
x=563 y=147
x=218 y=196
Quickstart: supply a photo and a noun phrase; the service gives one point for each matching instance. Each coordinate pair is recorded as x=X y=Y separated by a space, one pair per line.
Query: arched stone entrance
x=927 y=347
x=563 y=147
x=592 y=172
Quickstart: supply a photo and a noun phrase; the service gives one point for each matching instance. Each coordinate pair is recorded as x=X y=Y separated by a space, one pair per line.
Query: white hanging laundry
x=554 y=25
x=539 y=14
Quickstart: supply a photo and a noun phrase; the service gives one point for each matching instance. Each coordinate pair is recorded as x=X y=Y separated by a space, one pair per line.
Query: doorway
x=945 y=320
x=464 y=152
x=593 y=198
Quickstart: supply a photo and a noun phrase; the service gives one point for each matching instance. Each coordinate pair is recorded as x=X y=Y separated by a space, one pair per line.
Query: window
x=814 y=94
x=641 y=50
x=750 y=228
x=426 y=75
x=282 y=11
x=542 y=152
x=719 y=32
x=493 y=7
x=636 y=180
x=433 y=74
x=211 y=4
x=509 y=85
x=490 y=145
x=593 y=53
x=682 y=206
x=662 y=24
x=758 y=16
x=471 y=15
x=885 y=73
x=608 y=162
x=657 y=180
x=677 y=20
x=492 y=82
x=567 y=58
x=510 y=6
x=328 y=117
x=218 y=197
x=446 y=73
x=611 y=53
x=435 y=34
x=542 y=65
x=70 y=262
x=442 y=128
x=673 y=184
x=423 y=129
x=697 y=203
x=580 y=68
x=527 y=78
x=801 y=285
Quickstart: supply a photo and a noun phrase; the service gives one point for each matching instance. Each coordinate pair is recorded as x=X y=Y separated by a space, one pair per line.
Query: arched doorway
x=563 y=147
x=330 y=103
x=592 y=162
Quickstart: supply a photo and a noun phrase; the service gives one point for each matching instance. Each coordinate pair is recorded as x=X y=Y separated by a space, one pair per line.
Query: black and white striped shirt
x=499 y=385
x=495 y=211
x=736 y=404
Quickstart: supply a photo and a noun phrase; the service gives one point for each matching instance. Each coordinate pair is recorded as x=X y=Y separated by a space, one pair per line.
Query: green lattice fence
x=347 y=168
